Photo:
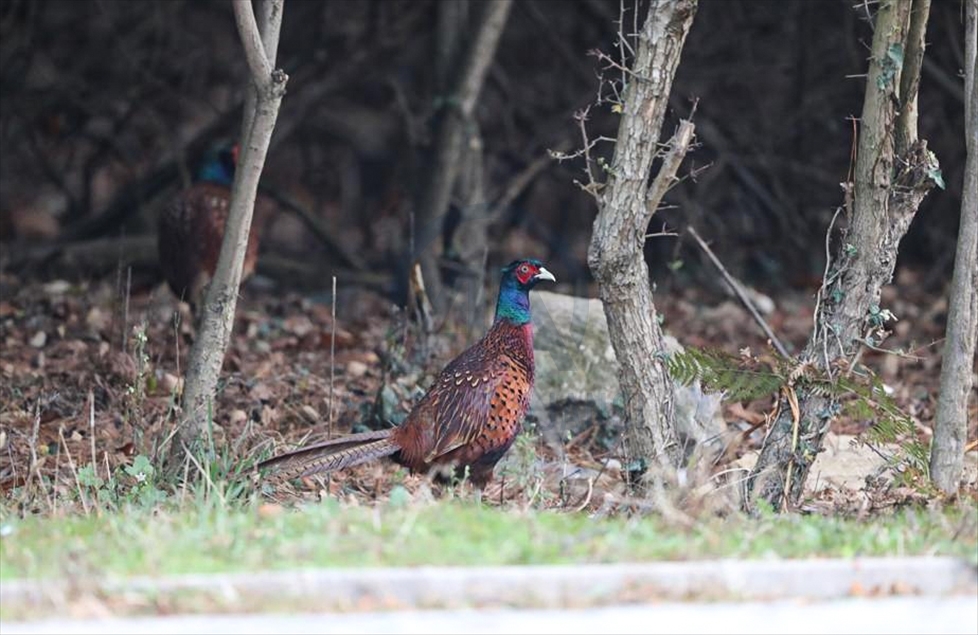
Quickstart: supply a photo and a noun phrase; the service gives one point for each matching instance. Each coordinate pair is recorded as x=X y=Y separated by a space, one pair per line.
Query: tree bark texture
x=616 y=253
x=958 y=365
x=893 y=173
x=265 y=91
x=468 y=77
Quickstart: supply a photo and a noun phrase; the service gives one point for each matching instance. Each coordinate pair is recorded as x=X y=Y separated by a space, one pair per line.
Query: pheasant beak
x=543 y=274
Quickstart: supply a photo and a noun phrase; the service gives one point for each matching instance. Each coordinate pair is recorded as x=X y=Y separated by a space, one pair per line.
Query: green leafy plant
x=132 y=484
x=860 y=395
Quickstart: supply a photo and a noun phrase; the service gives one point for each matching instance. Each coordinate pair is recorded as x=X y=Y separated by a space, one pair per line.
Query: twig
x=176 y=338
x=91 y=431
x=587 y=497
x=421 y=300
x=71 y=464
x=823 y=289
x=678 y=146
x=208 y=481
x=795 y=423
x=125 y=309
x=332 y=365
x=592 y=183
x=35 y=430
x=519 y=183
x=738 y=290
x=318 y=227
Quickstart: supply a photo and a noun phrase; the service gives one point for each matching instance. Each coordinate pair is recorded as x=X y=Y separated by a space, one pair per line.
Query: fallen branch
x=739 y=291
x=319 y=228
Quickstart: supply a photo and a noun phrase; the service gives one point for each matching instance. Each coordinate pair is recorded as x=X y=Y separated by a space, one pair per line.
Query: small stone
x=261 y=392
x=97 y=319
x=356 y=368
x=57 y=287
x=171 y=384
x=370 y=358
x=299 y=325
x=309 y=413
x=238 y=417
x=39 y=340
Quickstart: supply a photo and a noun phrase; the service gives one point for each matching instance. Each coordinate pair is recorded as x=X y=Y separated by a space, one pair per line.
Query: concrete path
x=891 y=616
x=538 y=586
x=867 y=595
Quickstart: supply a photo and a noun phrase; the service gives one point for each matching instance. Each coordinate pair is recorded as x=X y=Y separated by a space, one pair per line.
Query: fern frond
x=739 y=378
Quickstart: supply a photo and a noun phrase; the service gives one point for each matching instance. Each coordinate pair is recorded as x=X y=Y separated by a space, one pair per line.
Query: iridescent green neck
x=513 y=303
x=216 y=171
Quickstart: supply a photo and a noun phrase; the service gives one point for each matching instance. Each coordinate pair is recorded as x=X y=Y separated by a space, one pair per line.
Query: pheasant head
x=219 y=165
x=519 y=276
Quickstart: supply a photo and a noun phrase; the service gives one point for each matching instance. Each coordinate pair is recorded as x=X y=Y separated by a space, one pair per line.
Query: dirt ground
x=89 y=371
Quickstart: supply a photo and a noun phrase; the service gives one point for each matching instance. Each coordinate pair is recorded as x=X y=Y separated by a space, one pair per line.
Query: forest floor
x=89 y=377
x=88 y=382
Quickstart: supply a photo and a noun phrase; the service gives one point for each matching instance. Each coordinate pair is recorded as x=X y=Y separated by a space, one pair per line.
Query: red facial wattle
x=525 y=272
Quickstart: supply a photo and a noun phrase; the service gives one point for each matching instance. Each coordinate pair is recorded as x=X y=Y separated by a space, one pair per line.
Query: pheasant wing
x=464 y=394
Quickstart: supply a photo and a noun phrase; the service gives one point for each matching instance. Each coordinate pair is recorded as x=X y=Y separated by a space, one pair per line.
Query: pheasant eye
x=524 y=268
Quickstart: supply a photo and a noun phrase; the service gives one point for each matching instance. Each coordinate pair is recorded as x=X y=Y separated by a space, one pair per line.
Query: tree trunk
x=468 y=239
x=434 y=197
x=957 y=369
x=616 y=254
x=266 y=87
x=893 y=173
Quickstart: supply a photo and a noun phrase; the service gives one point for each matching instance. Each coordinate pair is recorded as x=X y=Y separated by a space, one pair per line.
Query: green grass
x=213 y=538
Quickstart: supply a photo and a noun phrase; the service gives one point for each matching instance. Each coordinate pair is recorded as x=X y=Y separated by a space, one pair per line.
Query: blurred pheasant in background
x=191 y=229
x=469 y=417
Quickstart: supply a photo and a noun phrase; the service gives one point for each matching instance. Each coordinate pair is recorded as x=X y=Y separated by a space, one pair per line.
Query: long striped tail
x=332 y=455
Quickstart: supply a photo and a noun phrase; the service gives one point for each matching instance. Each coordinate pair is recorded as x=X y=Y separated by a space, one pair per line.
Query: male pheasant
x=469 y=417
x=191 y=229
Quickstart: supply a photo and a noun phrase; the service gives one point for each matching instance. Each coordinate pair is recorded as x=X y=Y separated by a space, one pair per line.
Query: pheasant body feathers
x=472 y=413
x=191 y=229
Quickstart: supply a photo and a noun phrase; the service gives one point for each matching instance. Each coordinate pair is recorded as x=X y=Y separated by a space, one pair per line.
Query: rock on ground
x=577 y=373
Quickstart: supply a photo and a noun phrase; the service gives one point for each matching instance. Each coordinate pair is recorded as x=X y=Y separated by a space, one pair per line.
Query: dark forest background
x=107 y=106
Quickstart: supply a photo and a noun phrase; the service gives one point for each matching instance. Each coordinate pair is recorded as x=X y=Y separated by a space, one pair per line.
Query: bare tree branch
x=666 y=178
x=739 y=291
x=906 y=125
x=270 y=27
x=258 y=62
x=435 y=195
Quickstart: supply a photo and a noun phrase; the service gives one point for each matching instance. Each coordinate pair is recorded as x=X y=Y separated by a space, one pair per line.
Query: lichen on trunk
x=893 y=173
